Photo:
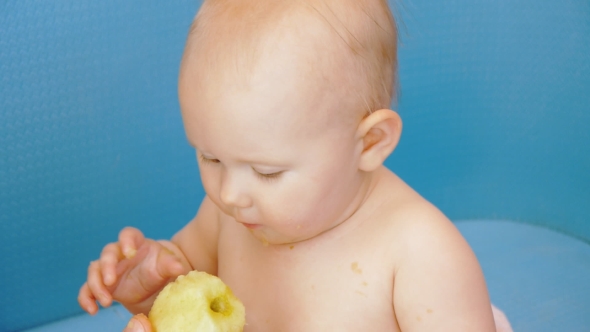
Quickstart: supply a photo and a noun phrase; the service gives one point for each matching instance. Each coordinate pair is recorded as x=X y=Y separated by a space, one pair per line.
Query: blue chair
x=494 y=96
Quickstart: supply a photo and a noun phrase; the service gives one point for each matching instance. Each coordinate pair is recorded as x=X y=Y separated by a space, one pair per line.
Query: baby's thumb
x=139 y=323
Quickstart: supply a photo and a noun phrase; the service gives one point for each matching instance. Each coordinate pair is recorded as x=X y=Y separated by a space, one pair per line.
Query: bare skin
x=358 y=276
x=303 y=286
x=301 y=218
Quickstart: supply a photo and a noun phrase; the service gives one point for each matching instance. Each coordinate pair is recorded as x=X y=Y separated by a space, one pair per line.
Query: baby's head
x=290 y=92
x=344 y=48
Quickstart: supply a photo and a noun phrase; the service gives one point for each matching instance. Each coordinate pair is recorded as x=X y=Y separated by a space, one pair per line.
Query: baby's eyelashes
x=268 y=175
x=262 y=173
x=206 y=160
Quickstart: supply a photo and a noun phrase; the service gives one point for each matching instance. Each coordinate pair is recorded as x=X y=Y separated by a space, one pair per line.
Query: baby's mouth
x=251 y=226
x=248 y=225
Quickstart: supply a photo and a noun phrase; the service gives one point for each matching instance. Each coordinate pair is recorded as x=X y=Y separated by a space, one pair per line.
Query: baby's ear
x=380 y=132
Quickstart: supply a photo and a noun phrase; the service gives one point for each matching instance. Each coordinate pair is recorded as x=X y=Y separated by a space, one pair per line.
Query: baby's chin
x=270 y=238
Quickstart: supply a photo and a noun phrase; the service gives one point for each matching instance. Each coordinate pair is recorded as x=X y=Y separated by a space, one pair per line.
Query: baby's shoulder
x=432 y=264
x=411 y=223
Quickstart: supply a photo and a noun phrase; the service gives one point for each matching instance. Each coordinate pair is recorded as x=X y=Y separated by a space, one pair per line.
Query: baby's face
x=273 y=152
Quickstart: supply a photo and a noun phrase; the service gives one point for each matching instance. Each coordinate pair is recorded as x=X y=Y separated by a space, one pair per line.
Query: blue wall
x=495 y=101
x=496 y=107
x=90 y=140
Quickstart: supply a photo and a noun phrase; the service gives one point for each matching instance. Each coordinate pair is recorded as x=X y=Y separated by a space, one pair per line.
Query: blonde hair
x=361 y=52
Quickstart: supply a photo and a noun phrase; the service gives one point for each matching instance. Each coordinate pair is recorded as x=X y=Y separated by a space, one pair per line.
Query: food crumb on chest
x=361 y=293
x=355 y=268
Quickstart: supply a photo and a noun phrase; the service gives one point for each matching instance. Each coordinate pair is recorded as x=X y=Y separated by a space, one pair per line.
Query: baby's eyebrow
x=264 y=160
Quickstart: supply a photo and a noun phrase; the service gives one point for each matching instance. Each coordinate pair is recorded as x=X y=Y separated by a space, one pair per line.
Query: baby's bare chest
x=308 y=289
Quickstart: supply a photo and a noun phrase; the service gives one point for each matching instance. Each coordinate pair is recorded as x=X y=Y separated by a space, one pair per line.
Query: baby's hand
x=139 y=323
x=131 y=271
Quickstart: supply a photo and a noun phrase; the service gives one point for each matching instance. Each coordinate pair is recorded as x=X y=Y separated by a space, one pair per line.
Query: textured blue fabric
x=494 y=99
x=113 y=319
x=538 y=277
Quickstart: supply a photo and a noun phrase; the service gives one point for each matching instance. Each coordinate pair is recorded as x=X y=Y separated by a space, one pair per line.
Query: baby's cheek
x=211 y=183
x=282 y=207
x=305 y=205
x=212 y=190
x=206 y=179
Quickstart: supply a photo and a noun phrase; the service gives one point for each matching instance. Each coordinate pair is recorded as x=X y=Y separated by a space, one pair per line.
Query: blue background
x=495 y=100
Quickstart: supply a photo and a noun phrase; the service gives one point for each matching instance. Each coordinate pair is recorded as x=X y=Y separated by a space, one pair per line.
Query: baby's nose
x=234 y=193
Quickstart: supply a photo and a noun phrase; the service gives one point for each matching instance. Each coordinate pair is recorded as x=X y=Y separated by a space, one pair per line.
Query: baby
x=287 y=106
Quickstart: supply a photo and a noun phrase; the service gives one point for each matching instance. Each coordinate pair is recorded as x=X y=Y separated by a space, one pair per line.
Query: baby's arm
x=198 y=239
x=134 y=270
x=439 y=285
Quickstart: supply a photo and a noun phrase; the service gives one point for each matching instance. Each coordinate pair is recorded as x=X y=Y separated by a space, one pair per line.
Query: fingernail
x=130 y=253
x=105 y=299
x=131 y=326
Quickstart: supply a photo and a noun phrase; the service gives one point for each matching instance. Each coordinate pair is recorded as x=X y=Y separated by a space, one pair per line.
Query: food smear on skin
x=130 y=253
x=355 y=268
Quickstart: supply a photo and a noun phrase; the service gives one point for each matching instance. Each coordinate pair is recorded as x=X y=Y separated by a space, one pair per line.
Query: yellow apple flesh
x=197 y=302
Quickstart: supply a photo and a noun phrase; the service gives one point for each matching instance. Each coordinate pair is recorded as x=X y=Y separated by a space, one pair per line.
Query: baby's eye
x=207 y=160
x=268 y=176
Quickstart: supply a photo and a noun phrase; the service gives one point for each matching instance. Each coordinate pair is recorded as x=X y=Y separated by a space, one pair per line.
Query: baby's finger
x=96 y=285
x=86 y=300
x=110 y=256
x=139 y=323
x=130 y=239
x=168 y=265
